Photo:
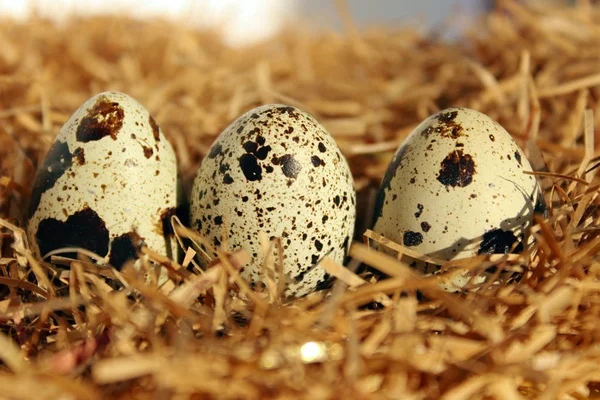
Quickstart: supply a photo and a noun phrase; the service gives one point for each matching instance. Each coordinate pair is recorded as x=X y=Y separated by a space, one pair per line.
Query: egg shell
x=456 y=187
x=277 y=170
x=108 y=184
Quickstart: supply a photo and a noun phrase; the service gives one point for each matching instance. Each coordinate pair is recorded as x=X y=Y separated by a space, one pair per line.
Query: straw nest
x=65 y=333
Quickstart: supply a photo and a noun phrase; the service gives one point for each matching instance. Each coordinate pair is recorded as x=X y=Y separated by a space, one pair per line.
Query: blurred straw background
x=65 y=333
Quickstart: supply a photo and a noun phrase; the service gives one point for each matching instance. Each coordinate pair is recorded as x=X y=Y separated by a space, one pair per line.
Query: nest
x=66 y=333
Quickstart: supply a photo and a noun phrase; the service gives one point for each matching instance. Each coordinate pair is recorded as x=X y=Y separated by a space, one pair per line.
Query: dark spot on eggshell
x=457 y=169
x=420 y=210
x=425 y=226
x=412 y=238
x=83 y=229
x=252 y=171
x=447 y=127
x=322 y=147
x=253 y=148
x=492 y=138
x=300 y=276
x=250 y=147
x=263 y=152
x=57 y=161
x=393 y=166
x=290 y=166
x=336 y=200
x=124 y=248
x=227 y=179
x=216 y=150
x=105 y=118
x=79 y=155
x=318 y=245
x=291 y=111
x=316 y=161
x=223 y=167
x=499 y=241
x=446 y=117
x=518 y=158
x=427 y=131
x=155 y=128
x=147 y=151
x=450 y=130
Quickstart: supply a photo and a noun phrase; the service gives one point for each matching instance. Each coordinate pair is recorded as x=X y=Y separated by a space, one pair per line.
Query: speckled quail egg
x=108 y=184
x=456 y=188
x=277 y=170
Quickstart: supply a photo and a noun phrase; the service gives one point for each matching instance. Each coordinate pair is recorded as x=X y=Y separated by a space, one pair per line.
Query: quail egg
x=277 y=170
x=457 y=187
x=108 y=184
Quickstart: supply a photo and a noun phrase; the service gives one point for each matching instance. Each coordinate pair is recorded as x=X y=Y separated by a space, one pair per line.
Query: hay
x=65 y=333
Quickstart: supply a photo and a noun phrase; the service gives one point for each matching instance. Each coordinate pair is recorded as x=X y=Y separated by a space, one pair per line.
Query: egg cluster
x=110 y=184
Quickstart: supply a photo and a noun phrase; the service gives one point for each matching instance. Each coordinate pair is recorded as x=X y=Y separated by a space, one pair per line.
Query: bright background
x=249 y=21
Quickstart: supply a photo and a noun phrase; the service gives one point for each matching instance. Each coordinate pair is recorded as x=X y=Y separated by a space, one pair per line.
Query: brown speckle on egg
x=457 y=169
x=155 y=128
x=420 y=210
x=249 y=166
x=83 y=229
x=448 y=127
x=79 y=155
x=105 y=118
x=518 y=158
x=412 y=238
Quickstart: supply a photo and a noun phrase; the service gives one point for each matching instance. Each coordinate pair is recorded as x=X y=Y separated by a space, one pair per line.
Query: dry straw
x=66 y=333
